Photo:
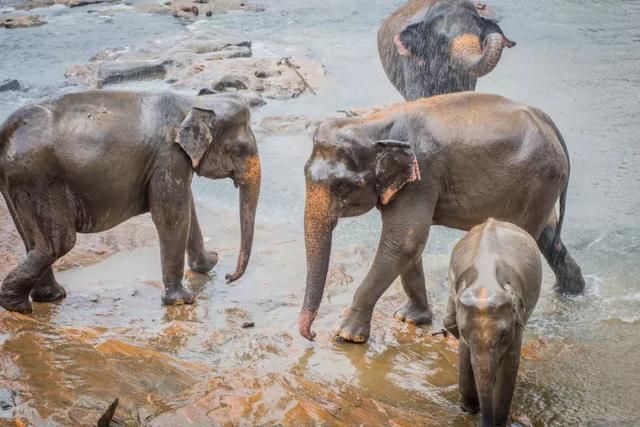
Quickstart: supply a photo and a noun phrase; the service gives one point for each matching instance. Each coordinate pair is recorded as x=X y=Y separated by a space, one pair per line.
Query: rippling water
x=578 y=61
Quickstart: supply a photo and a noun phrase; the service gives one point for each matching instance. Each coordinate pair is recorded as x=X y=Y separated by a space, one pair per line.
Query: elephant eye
x=236 y=151
x=342 y=188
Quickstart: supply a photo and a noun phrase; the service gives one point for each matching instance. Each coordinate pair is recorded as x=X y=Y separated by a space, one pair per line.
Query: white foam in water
x=626 y=298
x=592 y=285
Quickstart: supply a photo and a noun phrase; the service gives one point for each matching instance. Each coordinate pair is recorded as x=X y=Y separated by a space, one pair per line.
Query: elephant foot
x=570 y=281
x=355 y=327
x=178 y=295
x=205 y=263
x=470 y=406
x=49 y=293
x=413 y=313
x=15 y=302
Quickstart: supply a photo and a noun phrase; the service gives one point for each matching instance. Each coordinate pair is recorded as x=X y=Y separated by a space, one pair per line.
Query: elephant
x=433 y=47
x=495 y=276
x=87 y=161
x=452 y=160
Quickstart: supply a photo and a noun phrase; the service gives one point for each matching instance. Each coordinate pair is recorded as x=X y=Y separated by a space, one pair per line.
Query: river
x=577 y=61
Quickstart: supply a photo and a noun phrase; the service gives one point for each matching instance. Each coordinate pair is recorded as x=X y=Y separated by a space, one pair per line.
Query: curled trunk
x=467 y=52
x=318 y=227
x=249 y=195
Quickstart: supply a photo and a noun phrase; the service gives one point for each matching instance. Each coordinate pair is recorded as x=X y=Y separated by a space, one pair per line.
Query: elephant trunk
x=484 y=370
x=249 y=195
x=318 y=227
x=466 y=51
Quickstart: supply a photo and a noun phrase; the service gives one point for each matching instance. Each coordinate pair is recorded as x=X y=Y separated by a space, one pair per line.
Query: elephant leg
x=568 y=274
x=506 y=381
x=405 y=228
x=47 y=289
x=469 y=401
x=168 y=200
x=200 y=260
x=47 y=227
x=416 y=310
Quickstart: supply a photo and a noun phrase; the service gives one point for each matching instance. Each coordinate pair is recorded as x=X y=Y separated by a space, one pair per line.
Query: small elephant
x=494 y=281
x=433 y=47
x=87 y=161
x=452 y=160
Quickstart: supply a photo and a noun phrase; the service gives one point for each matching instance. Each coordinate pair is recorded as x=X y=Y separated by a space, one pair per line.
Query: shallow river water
x=578 y=61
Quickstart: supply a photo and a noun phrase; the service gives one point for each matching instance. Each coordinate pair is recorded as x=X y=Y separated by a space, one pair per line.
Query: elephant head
x=490 y=323
x=451 y=42
x=220 y=144
x=352 y=168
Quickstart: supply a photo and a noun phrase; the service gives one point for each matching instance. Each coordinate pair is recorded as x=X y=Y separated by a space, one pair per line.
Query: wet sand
x=201 y=364
x=111 y=338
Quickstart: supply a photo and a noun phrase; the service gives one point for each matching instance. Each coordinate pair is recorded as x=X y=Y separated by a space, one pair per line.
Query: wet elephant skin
x=433 y=47
x=452 y=160
x=87 y=161
x=495 y=276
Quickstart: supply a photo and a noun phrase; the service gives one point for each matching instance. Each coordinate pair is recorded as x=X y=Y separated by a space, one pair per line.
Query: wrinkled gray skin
x=478 y=156
x=87 y=161
x=433 y=47
x=494 y=282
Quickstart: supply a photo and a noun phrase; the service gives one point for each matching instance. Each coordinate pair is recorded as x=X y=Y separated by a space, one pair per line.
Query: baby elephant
x=85 y=162
x=494 y=281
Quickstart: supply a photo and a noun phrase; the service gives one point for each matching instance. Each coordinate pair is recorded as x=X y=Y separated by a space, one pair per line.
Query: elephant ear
x=396 y=165
x=196 y=133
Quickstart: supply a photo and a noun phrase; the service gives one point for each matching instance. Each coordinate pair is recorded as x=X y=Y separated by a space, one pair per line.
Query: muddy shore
x=235 y=357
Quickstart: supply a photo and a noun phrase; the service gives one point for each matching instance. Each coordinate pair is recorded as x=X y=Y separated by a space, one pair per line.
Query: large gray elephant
x=85 y=162
x=433 y=47
x=495 y=275
x=452 y=160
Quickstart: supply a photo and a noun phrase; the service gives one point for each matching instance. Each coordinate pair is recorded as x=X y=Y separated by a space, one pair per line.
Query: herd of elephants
x=87 y=161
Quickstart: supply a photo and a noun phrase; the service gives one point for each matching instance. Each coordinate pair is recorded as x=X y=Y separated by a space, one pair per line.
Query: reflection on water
x=111 y=338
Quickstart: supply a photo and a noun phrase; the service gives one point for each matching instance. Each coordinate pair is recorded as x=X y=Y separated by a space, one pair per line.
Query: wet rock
x=287 y=125
x=105 y=73
x=281 y=82
x=76 y=3
x=203 y=58
x=127 y=71
x=246 y=325
x=205 y=91
x=25 y=21
x=9 y=85
x=252 y=98
x=230 y=81
x=32 y=4
x=186 y=8
x=230 y=52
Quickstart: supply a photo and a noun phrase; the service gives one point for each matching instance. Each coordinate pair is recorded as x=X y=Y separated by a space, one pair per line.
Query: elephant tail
x=563 y=196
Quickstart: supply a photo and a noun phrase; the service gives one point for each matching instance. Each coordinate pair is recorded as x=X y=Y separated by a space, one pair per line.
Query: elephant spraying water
x=433 y=47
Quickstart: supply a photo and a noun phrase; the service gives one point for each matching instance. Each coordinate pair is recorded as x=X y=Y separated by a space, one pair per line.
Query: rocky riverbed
x=235 y=358
x=203 y=59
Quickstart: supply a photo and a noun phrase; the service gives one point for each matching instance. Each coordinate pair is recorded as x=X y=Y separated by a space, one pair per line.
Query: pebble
x=9 y=85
